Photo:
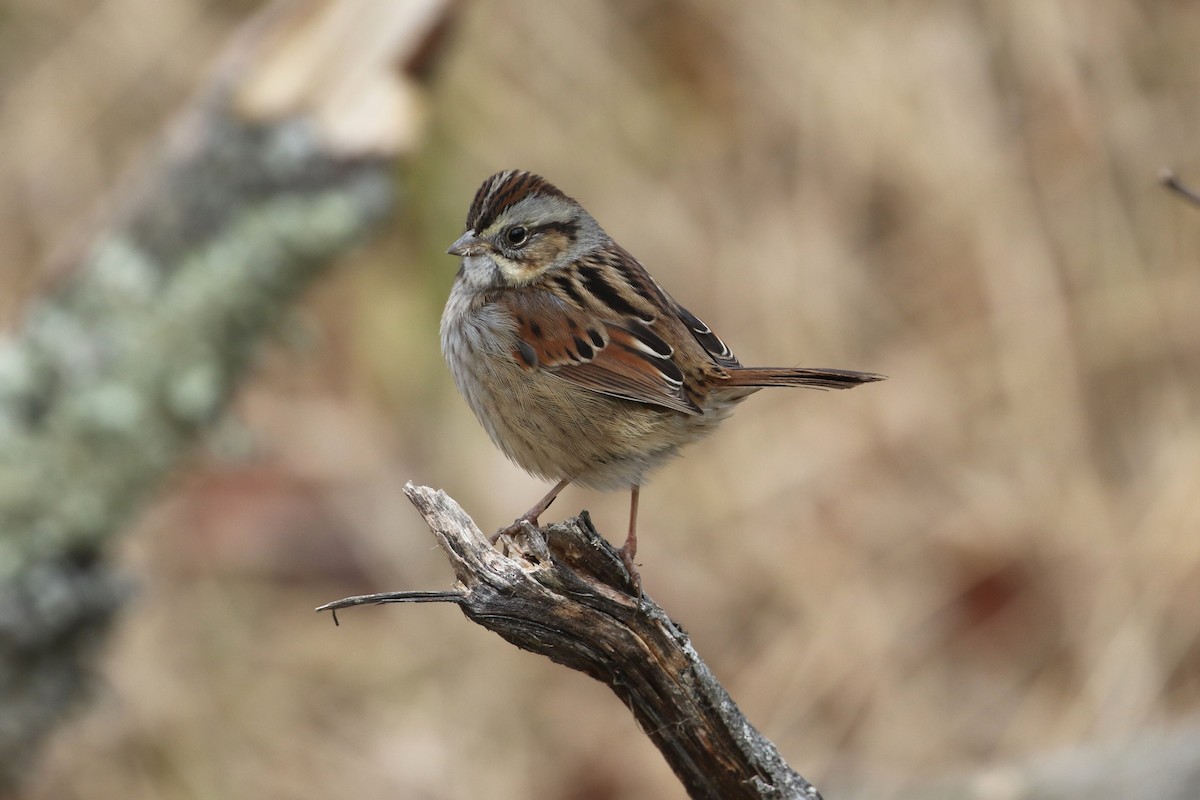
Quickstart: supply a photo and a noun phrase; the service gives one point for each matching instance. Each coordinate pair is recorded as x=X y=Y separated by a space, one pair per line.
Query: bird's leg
x=530 y=516
x=629 y=549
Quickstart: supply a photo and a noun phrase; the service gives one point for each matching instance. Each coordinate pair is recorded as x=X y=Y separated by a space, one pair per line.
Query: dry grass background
x=992 y=555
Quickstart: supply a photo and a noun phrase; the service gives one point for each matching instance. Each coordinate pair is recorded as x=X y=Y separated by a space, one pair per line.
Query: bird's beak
x=466 y=245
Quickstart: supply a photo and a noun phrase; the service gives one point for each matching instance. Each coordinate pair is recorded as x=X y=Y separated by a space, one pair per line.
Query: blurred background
x=990 y=557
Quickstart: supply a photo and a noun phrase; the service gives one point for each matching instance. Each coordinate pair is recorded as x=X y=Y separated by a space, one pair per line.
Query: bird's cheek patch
x=517 y=273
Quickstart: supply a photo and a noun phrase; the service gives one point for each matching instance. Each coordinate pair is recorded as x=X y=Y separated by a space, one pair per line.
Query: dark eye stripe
x=526 y=235
x=567 y=229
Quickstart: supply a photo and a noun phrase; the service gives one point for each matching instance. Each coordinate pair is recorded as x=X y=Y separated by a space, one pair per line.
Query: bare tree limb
x=282 y=163
x=562 y=592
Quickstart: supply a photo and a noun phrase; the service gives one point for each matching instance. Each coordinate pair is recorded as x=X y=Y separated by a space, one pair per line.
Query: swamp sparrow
x=581 y=368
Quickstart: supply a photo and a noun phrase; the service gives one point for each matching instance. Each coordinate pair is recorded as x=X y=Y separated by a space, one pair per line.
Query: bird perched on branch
x=579 y=365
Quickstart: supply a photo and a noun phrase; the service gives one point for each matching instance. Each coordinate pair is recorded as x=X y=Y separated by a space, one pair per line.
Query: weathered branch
x=282 y=163
x=562 y=592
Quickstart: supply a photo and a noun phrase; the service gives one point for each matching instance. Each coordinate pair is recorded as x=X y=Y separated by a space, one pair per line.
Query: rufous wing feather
x=620 y=358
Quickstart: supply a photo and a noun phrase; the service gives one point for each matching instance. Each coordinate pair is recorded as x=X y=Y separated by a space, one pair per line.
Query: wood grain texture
x=562 y=592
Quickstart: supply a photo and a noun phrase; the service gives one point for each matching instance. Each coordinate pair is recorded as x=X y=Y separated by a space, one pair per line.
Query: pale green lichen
x=17 y=381
x=108 y=407
x=196 y=393
x=135 y=357
x=113 y=376
x=119 y=270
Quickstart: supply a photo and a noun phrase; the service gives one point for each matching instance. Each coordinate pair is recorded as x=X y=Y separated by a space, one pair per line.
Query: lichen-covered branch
x=112 y=375
x=562 y=592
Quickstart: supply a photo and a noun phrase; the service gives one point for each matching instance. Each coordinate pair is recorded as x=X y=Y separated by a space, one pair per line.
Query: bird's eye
x=517 y=235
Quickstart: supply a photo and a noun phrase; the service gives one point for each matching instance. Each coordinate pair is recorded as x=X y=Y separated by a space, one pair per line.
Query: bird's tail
x=799 y=376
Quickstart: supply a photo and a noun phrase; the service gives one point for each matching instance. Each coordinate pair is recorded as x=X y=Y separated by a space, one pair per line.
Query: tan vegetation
x=990 y=556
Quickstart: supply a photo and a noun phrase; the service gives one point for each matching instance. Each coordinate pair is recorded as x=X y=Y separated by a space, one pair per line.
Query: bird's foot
x=635 y=576
x=512 y=530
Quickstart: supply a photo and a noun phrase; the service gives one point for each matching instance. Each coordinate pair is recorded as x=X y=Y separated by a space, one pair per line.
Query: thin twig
x=1170 y=180
x=381 y=598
